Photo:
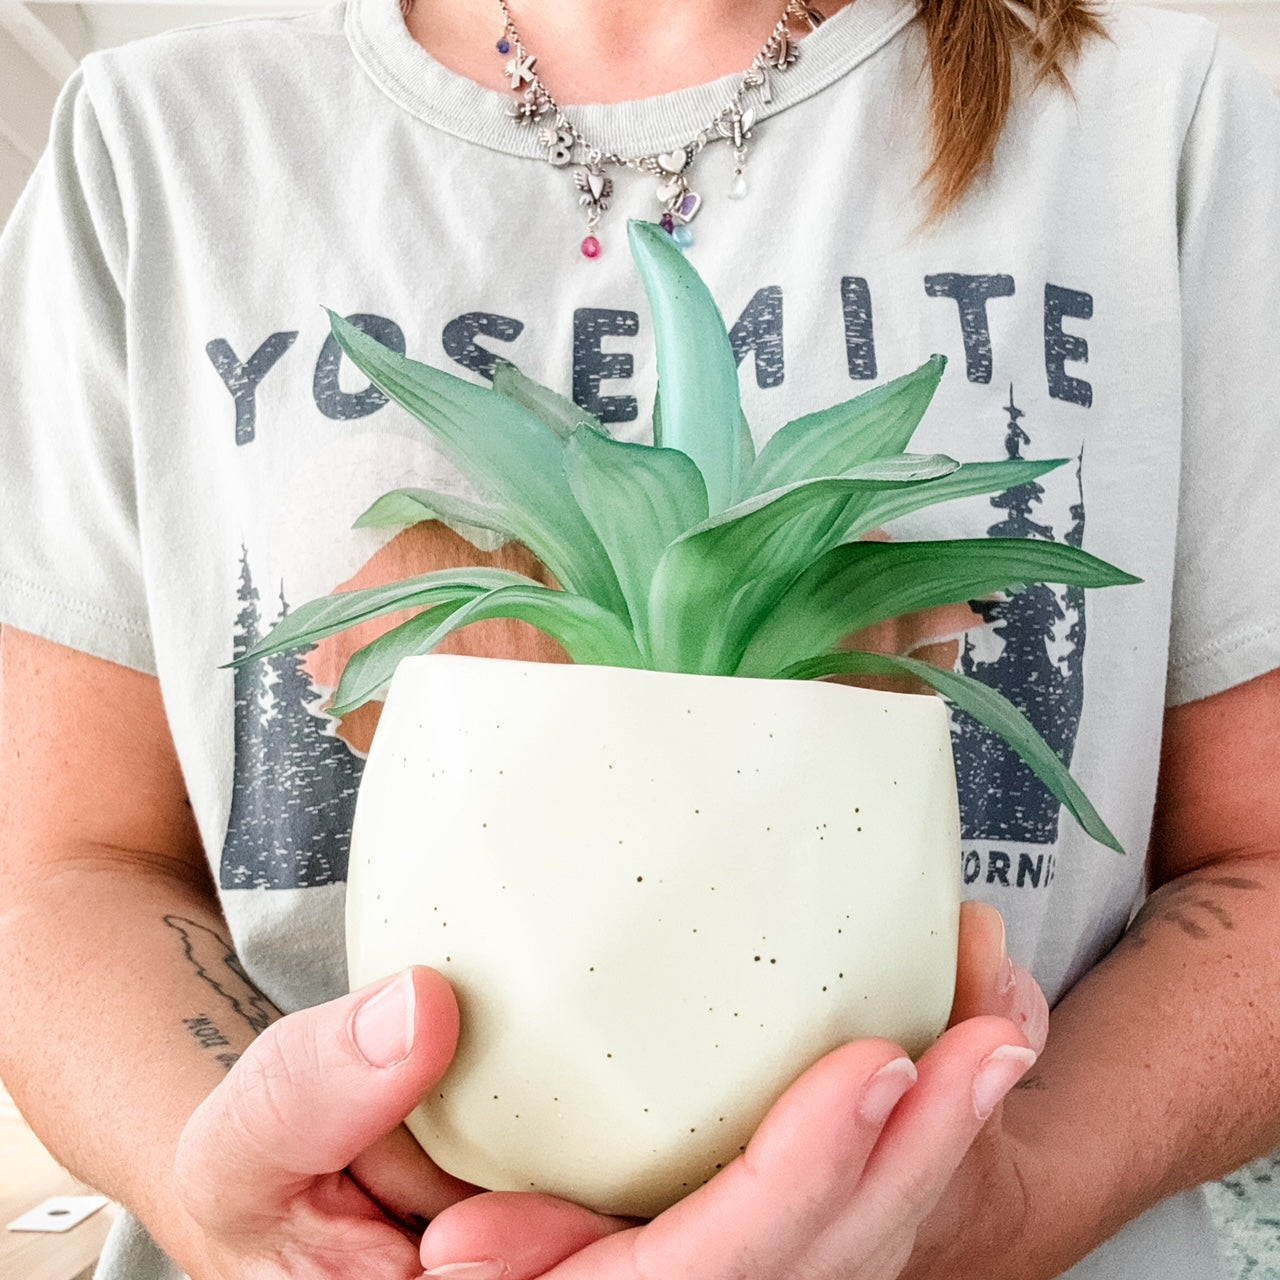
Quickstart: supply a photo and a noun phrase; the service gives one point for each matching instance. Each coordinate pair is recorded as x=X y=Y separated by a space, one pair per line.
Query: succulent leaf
x=369 y=670
x=403 y=508
x=639 y=499
x=828 y=443
x=588 y=633
x=858 y=584
x=701 y=405
x=989 y=707
x=714 y=584
x=970 y=479
x=506 y=451
x=330 y=614
x=557 y=411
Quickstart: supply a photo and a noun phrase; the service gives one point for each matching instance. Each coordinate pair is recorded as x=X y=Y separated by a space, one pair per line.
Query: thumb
x=988 y=983
x=311 y=1093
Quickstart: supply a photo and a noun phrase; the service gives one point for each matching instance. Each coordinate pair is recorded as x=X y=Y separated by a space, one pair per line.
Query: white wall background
x=41 y=41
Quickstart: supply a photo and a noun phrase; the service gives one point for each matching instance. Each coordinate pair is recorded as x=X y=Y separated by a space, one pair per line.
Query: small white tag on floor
x=60 y=1213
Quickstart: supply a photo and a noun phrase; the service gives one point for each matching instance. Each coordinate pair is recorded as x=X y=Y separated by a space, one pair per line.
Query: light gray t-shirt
x=185 y=450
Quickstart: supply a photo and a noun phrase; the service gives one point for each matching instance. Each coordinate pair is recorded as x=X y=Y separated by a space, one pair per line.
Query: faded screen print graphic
x=757 y=334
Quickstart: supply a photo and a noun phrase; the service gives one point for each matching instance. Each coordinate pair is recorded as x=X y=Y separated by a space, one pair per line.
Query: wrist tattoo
x=1197 y=910
x=215 y=962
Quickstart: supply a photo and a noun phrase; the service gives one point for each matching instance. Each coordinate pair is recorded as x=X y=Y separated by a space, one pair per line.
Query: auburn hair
x=973 y=48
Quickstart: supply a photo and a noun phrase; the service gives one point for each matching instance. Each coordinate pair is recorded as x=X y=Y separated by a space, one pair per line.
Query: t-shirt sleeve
x=1226 y=604
x=70 y=559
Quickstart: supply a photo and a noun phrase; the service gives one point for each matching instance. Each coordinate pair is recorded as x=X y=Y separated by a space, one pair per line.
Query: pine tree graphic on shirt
x=294 y=792
x=1039 y=668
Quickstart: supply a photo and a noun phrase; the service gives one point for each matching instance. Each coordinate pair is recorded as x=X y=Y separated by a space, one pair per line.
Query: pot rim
x=640 y=674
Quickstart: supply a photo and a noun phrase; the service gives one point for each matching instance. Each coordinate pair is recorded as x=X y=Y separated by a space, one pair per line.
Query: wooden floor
x=28 y=1176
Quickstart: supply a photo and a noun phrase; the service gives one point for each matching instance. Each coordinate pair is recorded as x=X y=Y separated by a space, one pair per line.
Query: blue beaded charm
x=504 y=45
x=682 y=236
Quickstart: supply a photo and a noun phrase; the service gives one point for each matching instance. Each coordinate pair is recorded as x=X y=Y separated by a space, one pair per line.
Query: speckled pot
x=659 y=898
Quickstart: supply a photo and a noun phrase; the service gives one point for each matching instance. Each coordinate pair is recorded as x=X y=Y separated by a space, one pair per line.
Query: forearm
x=116 y=971
x=1160 y=1067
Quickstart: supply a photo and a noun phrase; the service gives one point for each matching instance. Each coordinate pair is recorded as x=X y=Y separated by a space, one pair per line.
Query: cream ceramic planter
x=659 y=898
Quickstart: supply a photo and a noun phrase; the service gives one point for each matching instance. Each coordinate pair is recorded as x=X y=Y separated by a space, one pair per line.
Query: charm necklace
x=565 y=144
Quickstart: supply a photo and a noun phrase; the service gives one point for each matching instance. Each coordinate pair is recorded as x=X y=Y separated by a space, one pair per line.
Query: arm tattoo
x=214 y=960
x=207 y=1036
x=1197 y=910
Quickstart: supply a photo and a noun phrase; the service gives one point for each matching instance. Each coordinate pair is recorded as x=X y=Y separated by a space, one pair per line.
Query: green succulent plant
x=694 y=554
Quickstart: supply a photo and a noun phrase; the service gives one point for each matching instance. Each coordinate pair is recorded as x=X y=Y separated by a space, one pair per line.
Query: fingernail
x=998 y=1072
x=1006 y=977
x=1030 y=1013
x=485 y=1269
x=885 y=1089
x=382 y=1027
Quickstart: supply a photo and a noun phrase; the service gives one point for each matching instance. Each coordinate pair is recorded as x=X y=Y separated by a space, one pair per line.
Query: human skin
x=589 y=52
x=257 y=1147
x=1159 y=1070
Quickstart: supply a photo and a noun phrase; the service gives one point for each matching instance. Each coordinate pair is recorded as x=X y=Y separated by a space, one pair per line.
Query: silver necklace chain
x=566 y=145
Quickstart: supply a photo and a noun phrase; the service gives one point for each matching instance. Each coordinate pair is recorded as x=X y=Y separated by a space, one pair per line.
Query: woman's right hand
x=836 y=1182
x=296 y=1166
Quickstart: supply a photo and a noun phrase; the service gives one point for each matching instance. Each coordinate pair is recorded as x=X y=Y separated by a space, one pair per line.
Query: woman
x=182 y=443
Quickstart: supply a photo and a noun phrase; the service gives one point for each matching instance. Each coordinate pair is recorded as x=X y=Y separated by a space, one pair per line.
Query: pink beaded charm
x=591 y=247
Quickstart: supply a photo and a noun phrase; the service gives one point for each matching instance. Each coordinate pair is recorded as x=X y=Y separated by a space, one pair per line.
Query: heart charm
x=673 y=161
x=670 y=190
x=595 y=183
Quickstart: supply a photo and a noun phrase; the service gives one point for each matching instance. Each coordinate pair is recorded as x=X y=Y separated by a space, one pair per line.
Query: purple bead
x=667 y=223
x=504 y=45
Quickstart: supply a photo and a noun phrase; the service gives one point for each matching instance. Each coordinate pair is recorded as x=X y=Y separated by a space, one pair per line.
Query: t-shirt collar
x=409 y=75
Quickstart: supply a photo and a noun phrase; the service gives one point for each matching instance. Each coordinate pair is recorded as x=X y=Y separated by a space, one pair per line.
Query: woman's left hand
x=844 y=1179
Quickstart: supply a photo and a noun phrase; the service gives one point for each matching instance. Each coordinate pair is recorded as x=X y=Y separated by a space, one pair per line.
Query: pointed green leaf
x=985 y=705
x=369 y=669
x=701 y=404
x=870 y=511
x=889 y=475
x=588 y=633
x=557 y=411
x=403 y=508
x=714 y=584
x=639 y=499
x=858 y=584
x=877 y=423
x=507 y=452
x=330 y=614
